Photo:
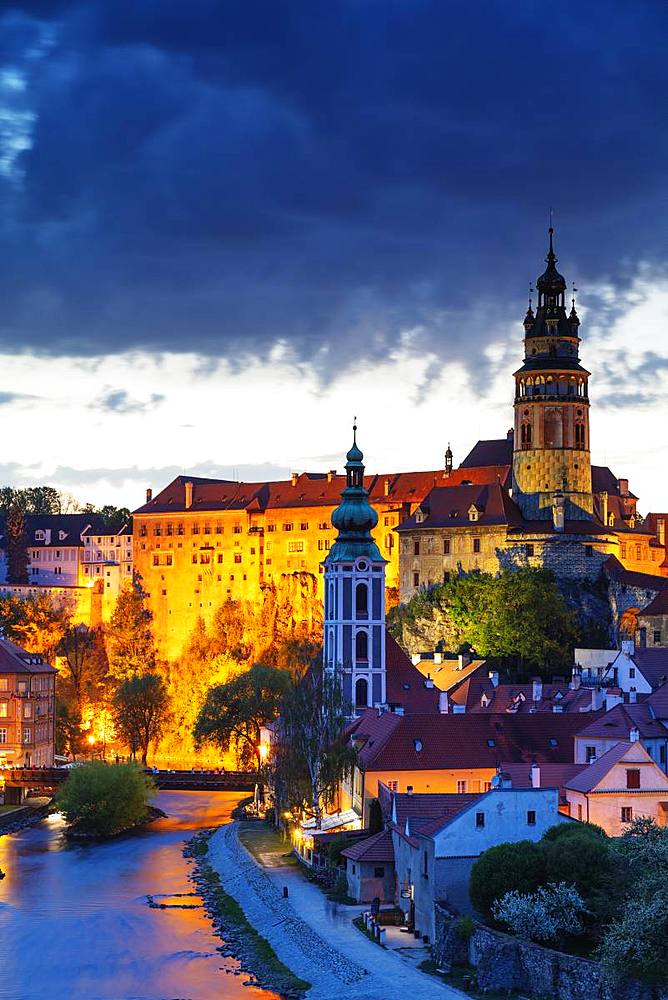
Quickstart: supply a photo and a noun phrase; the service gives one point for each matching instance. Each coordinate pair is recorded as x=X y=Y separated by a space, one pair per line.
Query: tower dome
x=354 y=518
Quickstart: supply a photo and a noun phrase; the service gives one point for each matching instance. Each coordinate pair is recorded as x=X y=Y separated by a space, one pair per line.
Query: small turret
x=448 y=460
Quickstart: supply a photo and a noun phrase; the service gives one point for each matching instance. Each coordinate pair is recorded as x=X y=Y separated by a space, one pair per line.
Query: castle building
x=548 y=505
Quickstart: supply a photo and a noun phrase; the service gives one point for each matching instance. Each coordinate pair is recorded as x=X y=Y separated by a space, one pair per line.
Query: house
x=434 y=856
x=653 y=622
x=107 y=560
x=621 y=785
x=639 y=721
x=451 y=753
x=27 y=708
x=370 y=868
x=482 y=692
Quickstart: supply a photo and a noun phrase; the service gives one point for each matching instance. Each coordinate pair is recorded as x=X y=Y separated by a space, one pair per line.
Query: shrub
x=561 y=830
x=101 y=800
x=551 y=913
x=636 y=945
x=516 y=867
x=583 y=859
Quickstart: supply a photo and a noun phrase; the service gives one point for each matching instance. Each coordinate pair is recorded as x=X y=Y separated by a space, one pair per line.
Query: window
x=361 y=689
x=195 y=529
x=3 y=735
x=237 y=529
x=657 y=636
x=4 y=684
x=27 y=710
x=531 y=817
x=271 y=527
x=303 y=526
x=295 y=546
x=4 y=707
x=590 y=754
x=194 y=558
x=416 y=548
x=361 y=646
x=219 y=557
x=462 y=787
x=26 y=736
x=287 y=526
x=379 y=872
x=446 y=547
x=361 y=600
x=633 y=777
x=425 y=864
x=627 y=814
x=476 y=545
x=237 y=557
x=553 y=742
x=529 y=550
x=416 y=579
x=323 y=525
x=479 y=821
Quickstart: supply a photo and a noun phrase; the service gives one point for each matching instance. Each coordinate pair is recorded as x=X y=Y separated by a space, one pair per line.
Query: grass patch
x=6 y=809
x=262 y=839
x=263 y=960
x=359 y=924
x=462 y=977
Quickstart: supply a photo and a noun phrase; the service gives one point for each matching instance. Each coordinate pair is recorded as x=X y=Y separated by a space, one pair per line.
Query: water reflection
x=75 y=924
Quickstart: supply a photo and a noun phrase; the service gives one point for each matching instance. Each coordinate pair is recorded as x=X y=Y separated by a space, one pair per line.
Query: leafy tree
x=552 y=913
x=69 y=735
x=139 y=709
x=636 y=944
x=102 y=800
x=561 y=830
x=518 y=867
x=233 y=713
x=114 y=517
x=130 y=645
x=33 y=500
x=83 y=664
x=37 y=623
x=312 y=753
x=17 y=544
x=583 y=858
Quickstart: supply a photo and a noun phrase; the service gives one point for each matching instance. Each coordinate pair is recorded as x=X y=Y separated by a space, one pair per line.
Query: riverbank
x=243 y=942
x=310 y=934
x=24 y=816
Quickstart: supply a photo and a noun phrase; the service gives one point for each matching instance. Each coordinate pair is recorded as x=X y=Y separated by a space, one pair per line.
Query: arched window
x=362 y=600
x=579 y=435
x=361 y=693
x=331 y=601
x=330 y=648
x=525 y=435
x=362 y=647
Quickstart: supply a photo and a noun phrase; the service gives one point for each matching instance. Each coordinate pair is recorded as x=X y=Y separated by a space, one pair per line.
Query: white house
x=619 y=786
x=107 y=558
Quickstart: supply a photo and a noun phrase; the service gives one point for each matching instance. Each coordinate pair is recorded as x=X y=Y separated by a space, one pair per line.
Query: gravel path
x=311 y=936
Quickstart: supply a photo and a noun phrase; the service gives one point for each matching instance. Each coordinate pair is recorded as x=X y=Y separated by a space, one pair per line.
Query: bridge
x=48 y=779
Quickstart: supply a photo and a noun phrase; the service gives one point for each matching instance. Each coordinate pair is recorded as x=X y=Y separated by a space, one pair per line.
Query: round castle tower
x=551 y=461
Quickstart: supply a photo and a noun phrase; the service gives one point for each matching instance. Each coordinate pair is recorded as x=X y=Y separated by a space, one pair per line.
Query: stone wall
x=503 y=962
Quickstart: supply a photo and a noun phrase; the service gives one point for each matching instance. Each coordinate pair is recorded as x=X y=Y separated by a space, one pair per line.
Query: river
x=75 y=923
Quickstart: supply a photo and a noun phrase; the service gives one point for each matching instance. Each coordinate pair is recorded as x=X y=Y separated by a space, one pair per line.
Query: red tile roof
x=653 y=665
x=436 y=742
x=449 y=506
x=375 y=849
x=451 y=812
x=592 y=774
x=423 y=806
x=498 y=451
x=516 y=698
x=405 y=685
x=551 y=775
x=620 y=720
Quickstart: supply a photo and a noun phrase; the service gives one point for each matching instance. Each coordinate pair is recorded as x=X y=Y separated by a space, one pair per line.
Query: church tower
x=354 y=628
x=551 y=462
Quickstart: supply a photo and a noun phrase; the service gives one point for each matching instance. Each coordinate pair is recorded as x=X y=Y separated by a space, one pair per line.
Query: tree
x=69 y=735
x=33 y=500
x=551 y=913
x=85 y=664
x=130 y=644
x=636 y=944
x=102 y=800
x=583 y=858
x=311 y=751
x=140 y=709
x=233 y=713
x=517 y=867
x=17 y=544
x=114 y=518
x=36 y=623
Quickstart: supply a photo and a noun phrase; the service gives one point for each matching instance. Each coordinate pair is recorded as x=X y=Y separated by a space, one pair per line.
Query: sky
x=227 y=228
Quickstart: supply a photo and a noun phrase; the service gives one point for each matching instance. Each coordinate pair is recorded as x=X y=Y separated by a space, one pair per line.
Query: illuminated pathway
x=314 y=937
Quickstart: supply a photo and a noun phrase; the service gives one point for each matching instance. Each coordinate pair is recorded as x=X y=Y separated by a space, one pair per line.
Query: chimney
x=613 y=697
x=415 y=659
x=443 y=702
x=623 y=486
x=438 y=657
x=149 y=494
x=633 y=697
x=510 y=435
x=576 y=679
x=494 y=678
x=463 y=660
x=428 y=682
x=559 y=512
x=634 y=735
x=628 y=647
x=535 y=776
x=604 y=501
x=189 y=495
x=386 y=487
x=536 y=689
x=661 y=531
x=294 y=476
x=409 y=789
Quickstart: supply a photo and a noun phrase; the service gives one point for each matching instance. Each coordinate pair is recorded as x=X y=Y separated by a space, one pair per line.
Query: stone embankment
x=23 y=816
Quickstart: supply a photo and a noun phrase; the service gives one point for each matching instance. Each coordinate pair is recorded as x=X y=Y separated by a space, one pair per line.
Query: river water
x=75 y=923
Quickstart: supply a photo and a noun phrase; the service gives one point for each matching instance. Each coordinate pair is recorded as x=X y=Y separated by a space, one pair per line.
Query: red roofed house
x=27 y=708
x=618 y=787
x=370 y=868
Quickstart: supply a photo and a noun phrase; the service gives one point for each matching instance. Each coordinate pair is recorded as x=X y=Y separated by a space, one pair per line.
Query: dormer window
x=474 y=513
x=62 y=535
x=417 y=745
x=419 y=516
x=39 y=535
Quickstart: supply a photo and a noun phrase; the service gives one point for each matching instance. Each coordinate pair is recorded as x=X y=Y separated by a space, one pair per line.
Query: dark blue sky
x=215 y=176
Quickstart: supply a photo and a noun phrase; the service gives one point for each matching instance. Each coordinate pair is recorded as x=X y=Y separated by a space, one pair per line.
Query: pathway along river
x=75 y=923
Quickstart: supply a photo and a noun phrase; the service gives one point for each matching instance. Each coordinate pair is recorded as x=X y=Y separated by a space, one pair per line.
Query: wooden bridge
x=48 y=779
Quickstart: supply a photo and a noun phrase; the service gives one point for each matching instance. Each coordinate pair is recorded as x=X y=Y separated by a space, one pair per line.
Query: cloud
x=15 y=397
x=118 y=401
x=323 y=177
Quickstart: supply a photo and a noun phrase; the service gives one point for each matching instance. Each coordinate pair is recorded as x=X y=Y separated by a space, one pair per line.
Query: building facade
x=27 y=708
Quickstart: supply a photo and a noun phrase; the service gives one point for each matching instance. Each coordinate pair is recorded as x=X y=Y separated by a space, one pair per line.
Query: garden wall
x=503 y=962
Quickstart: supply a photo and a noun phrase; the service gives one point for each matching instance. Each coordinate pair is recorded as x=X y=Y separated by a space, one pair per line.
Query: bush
x=636 y=945
x=551 y=913
x=516 y=867
x=561 y=830
x=101 y=800
x=583 y=859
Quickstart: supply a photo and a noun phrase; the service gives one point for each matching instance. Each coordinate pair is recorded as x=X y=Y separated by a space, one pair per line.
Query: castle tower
x=551 y=462
x=354 y=628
